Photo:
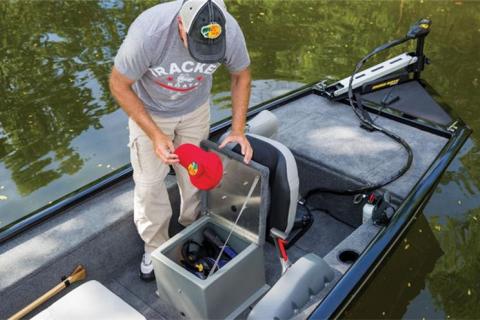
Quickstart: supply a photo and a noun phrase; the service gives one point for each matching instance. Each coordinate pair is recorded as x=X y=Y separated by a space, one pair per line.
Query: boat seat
x=284 y=185
x=91 y=300
x=283 y=180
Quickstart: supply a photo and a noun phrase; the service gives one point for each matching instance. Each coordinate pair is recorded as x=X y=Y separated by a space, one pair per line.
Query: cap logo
x=211 y=31
x=192 y=168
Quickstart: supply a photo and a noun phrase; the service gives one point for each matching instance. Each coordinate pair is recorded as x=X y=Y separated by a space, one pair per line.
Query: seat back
x=283 y=180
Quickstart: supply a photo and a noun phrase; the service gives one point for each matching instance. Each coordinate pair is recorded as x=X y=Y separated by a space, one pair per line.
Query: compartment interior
x=236 y=242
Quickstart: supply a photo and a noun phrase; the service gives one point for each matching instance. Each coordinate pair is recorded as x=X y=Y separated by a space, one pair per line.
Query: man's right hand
x=164 y=149
x=121 y=88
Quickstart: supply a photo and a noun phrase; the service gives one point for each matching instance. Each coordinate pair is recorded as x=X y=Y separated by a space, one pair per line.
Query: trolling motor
x=418 y=30
x=413 y=62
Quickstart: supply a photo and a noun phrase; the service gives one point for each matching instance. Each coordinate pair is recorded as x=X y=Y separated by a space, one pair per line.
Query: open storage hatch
x=238 y=284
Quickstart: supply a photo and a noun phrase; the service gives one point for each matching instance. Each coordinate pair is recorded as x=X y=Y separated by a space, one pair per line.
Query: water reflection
x=402 y=277
x=262 y=90
x=50 y=88
x=53 y=87
x=454 y=282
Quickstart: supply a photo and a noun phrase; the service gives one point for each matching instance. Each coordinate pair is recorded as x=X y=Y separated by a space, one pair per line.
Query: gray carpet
x=325 y=233
x=139 y=294
x=328 y=132
x=121 y=275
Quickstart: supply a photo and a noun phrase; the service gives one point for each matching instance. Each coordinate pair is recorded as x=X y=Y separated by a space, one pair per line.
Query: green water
x=60 y=129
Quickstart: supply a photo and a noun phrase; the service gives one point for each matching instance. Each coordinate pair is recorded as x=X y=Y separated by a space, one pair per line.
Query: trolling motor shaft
x=414 y=61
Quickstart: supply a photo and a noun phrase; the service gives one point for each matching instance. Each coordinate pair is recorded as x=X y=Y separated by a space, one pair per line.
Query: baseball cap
x=204 y=21
x=204 y=168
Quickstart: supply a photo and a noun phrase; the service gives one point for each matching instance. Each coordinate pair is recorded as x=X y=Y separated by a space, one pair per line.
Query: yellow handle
x=77 y=275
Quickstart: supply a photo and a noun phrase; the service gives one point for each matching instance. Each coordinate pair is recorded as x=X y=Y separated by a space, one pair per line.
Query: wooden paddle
x=77 y=275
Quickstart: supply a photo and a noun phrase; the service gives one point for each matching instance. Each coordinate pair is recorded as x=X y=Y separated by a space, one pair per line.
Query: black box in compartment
x=237 y=243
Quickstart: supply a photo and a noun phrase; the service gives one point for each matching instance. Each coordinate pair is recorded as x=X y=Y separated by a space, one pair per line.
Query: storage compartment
x=224 y=294
x=241 y=281
x=237 y=243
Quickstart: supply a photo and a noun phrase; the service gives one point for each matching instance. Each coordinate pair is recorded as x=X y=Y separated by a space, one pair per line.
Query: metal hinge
x=322 y=85
x=453 y=127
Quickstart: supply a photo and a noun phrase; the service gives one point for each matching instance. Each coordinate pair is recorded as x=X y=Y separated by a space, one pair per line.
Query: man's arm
x=240 y=90
x=121 y=89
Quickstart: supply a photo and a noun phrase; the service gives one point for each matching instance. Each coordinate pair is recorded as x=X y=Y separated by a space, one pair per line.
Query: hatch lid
x=224 y=202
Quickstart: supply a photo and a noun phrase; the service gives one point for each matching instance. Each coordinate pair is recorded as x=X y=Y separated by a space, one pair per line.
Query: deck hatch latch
x=453 y=127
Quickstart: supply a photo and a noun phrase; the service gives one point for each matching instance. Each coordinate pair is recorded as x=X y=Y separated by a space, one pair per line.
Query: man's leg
x=152 y=209
x=192 y=128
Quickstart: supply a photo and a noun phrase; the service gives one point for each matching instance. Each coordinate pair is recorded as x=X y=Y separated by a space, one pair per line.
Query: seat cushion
x=91 y=300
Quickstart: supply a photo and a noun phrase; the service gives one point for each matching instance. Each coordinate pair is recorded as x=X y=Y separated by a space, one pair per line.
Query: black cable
x=383 y=103
x=367 y=122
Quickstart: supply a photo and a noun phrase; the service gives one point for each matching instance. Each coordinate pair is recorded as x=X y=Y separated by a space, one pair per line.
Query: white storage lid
x=90 y=300
x=225 y=201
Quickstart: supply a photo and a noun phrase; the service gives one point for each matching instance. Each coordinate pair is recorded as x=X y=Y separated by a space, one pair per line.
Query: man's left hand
x=241 y=139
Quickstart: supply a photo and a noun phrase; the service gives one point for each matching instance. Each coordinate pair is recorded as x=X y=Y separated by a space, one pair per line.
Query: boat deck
x=331 y=150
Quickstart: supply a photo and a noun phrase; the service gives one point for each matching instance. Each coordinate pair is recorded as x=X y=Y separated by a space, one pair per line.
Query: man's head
x=202 y=27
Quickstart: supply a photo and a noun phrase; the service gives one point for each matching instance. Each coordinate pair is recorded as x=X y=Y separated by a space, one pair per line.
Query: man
x=162 y=78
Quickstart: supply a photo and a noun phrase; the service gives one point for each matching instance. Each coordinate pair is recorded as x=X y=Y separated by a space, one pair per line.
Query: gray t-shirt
x=167 y=79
